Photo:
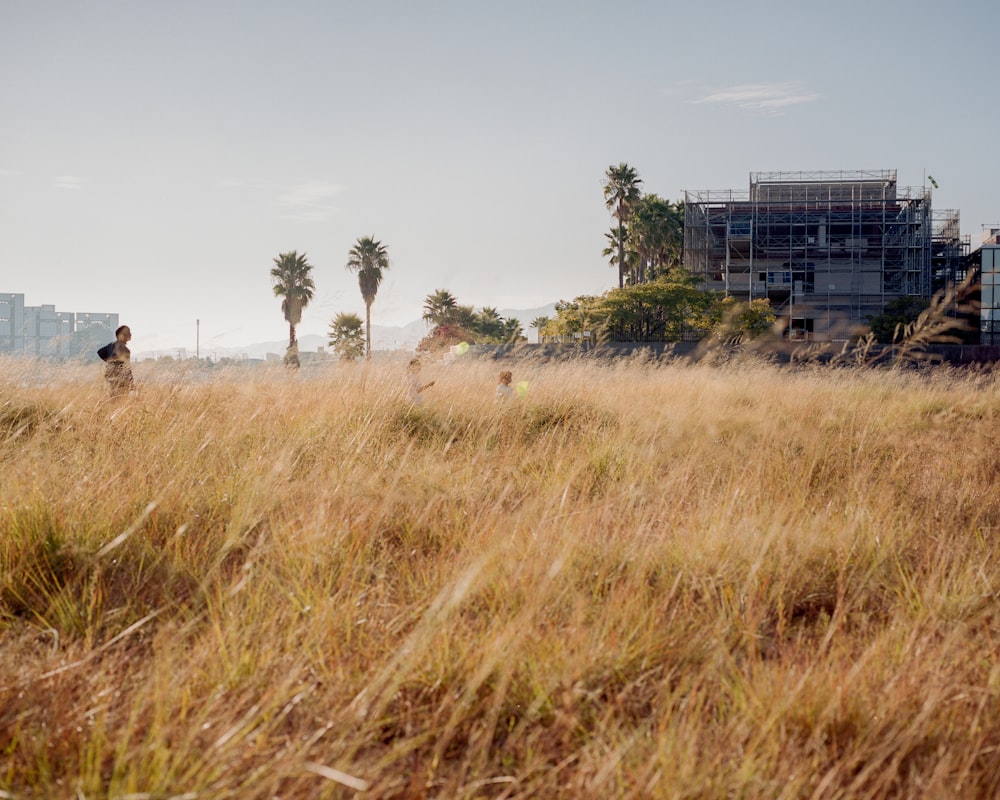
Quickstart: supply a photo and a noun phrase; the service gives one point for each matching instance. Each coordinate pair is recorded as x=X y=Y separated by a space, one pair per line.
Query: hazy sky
x=156 y=156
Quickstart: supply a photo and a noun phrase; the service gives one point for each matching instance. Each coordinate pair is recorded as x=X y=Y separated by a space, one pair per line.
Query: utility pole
x=197 y=339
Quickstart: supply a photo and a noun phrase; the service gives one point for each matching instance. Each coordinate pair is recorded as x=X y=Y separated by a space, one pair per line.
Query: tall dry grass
x=642 y=579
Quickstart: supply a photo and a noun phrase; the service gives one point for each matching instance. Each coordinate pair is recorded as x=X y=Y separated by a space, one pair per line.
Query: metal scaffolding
x=949 y=249
x=828 y=249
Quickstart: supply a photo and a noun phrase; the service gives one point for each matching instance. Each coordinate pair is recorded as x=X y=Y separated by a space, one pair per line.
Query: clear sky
x=156 y=156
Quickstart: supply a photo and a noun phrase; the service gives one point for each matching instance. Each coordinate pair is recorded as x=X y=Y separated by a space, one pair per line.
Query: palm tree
x=439 y=307
x=346 y=337
x=291 y=280
x=489 y=324
x=673 y=254
x=610 y=251
x=656 y=232
x=369 y=259
x=631 y=254
x=512 y=330
x=621 y=192
x=464 y=317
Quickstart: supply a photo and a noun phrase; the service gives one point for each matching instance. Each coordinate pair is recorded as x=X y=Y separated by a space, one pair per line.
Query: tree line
x=291 y=280
x=657 y=300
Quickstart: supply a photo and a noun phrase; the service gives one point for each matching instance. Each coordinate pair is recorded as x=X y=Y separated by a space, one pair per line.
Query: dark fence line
x=783 y=352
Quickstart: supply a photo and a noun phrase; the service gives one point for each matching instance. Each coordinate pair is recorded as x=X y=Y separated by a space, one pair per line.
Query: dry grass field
x=640 y=579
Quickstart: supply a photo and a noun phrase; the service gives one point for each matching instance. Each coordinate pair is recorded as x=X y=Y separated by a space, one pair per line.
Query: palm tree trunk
x=368 y=331
x=621 y=249
x=291 y=335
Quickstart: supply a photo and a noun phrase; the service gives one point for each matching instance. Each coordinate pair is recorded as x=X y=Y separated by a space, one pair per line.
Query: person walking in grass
x=118 y=372
x=414 y=387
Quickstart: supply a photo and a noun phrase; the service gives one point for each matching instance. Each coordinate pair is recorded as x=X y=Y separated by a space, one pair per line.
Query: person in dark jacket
x=118 y=372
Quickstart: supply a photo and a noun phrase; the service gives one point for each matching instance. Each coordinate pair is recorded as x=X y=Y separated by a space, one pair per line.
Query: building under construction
x=828 y=249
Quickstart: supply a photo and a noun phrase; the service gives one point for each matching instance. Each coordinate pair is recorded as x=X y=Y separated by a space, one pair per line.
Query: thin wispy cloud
x=680 y=88
x=767 y=97
x=68 y=182
x=309 y=202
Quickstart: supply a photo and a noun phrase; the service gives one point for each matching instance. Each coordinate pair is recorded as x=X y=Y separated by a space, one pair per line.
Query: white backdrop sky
x=156 y=156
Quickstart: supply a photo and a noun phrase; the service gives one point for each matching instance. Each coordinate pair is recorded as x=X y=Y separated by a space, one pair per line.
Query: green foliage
x=648 y=239
x=489 y=325
x=667 y=309
x=573 y=319
x=897 y=314
x=621 y=189
x=743 y=320
x=347 y=336
x=454 y=323
x=439 y=307
x=621 y=193
x=369 y=259
x=292 y=282
x=539 y=324
x=655 y=235
x=512 y=331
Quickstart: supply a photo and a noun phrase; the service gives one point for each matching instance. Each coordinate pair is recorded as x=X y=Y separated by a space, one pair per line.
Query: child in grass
x=414 y=388
x=504 y=390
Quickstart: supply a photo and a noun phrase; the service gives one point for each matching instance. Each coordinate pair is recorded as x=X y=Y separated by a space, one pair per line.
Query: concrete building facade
x=41 y=331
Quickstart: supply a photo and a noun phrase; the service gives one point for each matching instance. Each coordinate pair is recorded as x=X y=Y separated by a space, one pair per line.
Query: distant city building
x=988 y=263
x=41 y=331
x=828 y=249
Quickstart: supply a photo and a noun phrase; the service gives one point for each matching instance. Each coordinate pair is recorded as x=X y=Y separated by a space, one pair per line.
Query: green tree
x=664 y=310
x=610 y=251
x=737 y=319
x=897 y=314
x=489 y=325
x=453 y=323
x=292 y=282
x=464 y=317
x=655 y=234
x=539 y=323
x=347 y=336
x=369 y=259
x=575 y=320
x=439 y=307
x=621 y=193
x=512 y=331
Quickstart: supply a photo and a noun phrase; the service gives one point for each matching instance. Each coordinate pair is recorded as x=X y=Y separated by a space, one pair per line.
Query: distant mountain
x=526 y=315
x=384 y=337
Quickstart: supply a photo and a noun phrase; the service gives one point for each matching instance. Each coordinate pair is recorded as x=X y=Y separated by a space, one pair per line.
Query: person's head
x=123 y=333
x=506 y=377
